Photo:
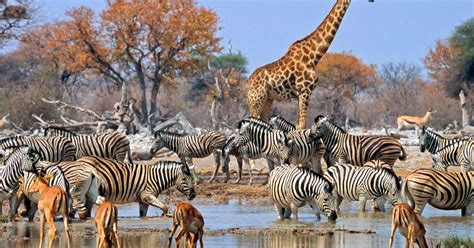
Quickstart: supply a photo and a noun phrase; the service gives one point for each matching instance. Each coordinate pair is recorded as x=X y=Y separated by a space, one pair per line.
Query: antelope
x=410 y=226
x=5 y=120
x=52 y=200
x=106 y=223
x=413 y=121
x=191 y=222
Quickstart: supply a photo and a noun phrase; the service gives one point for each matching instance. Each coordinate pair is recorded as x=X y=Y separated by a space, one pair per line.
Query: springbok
x=106 y=219
x=52 y=200
x=191 y=222
x=413 y=121
x=410 y=226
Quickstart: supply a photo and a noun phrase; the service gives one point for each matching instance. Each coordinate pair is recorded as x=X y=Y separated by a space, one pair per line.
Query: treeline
x=168 y=58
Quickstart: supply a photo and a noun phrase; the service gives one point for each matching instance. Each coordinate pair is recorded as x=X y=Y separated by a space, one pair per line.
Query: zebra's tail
x=406 y=195
x=403 y=154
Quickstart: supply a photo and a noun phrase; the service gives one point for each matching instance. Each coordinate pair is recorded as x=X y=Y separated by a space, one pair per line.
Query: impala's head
x=185 y=182
x=431 y=111
x=40 y=181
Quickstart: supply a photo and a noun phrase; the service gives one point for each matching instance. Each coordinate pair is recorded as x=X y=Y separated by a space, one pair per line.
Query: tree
x=451 y=64
x=342 y=77
x=151 y=42
x=14 y=17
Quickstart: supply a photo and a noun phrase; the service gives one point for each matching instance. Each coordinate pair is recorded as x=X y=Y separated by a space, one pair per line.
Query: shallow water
x=439 y=224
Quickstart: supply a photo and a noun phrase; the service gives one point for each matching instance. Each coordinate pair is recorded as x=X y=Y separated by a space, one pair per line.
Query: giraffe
x=294 y=75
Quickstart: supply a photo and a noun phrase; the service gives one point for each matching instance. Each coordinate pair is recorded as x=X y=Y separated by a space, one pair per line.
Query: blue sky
x=380 y=32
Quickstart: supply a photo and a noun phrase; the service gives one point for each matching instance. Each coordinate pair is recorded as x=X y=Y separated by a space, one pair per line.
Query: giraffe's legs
x=257 y=98
x=267 y=110
x=303 y=102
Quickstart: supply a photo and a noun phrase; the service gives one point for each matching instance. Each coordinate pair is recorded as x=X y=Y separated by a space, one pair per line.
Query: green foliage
x=230 y=60
x=456 y=242
x=462 y=40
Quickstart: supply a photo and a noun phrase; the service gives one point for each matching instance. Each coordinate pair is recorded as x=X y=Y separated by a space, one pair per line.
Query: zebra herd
x=91 y=168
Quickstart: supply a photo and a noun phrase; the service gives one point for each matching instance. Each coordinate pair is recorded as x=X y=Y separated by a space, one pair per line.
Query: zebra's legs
x=362 y=202
x=316 y=210
x=316 y=165
x=294 y=210
x=143 y=209
x=468 y=210
x=249 y=166
x=239 y=172
x=14 y=203
x=280 y=211
x=148 y=198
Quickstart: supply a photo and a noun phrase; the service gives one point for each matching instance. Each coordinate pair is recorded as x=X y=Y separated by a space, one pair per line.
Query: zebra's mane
x=283 y=120
x=16 y=137
x=455 y=143
x=333 y=125
x=60 y=129
x=312 y=173
x=392 y=173
x=167 y=133
x=256 y=123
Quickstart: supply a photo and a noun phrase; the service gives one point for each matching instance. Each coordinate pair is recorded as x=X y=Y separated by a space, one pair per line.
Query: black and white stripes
x=52 y=149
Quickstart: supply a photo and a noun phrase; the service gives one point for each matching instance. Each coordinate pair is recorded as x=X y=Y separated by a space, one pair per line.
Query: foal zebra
x=279 y=123
x=244 y=152
x=120 y=182
x=443 y=190
x=52 y=149
x=363 y=183
x=356 y=150
x=293 y=187
x=190 y=146
x=113 y=145
x=458 y=153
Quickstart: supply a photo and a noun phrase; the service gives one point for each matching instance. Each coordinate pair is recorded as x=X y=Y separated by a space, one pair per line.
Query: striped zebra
x=52 y=149
x=121 y=183
x=245 y=152
x=443 y=190
x=458 y=153
x=264 y=137
x=434 y=142
x=293 y=187
x=279 y=123
x=20 y=159
x=356 y=150
x=113 y=145
x=6 y=195
x=27 y=180
x=191 y=146
x=363 y=183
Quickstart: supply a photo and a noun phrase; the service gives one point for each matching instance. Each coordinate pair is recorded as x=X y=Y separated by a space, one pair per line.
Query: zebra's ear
x=291 y=142
x=185 y=169
x=423 y=129
x=156 y=134
x=328 y=188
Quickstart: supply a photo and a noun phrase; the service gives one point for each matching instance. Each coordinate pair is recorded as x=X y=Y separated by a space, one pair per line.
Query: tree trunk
x=213 y=113
x=143 y=107
x=155 y=87
x=464 y=109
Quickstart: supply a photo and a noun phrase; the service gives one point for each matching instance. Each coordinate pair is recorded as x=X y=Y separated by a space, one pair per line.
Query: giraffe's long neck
x=319 y=41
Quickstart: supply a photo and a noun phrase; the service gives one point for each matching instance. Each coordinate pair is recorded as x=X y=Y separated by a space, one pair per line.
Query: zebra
x=356 y=150
x=279 y=123
x=27 y=180
x=119 y=182
x=52 y=149
x=434 y=142
x=292 y=187
x=363 y=183
x=244 y=152
x=300 y=146
x=263 y=136
x=443 y=190
x=458 y=153
x=190 y=146
x=114 y=145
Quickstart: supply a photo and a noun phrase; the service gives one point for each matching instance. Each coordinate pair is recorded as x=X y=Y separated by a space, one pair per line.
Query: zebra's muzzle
x=332 y=216
x=191 y=196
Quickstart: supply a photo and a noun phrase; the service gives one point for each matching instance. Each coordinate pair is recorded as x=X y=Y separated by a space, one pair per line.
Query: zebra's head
x=242 y=135
x=25 y=158
x=423 y=139
x=392 y=186
x=285 y=148
x=317 y=128
x=326 y=201
x=185 y=182
x=274 y=121
x=158 y=143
